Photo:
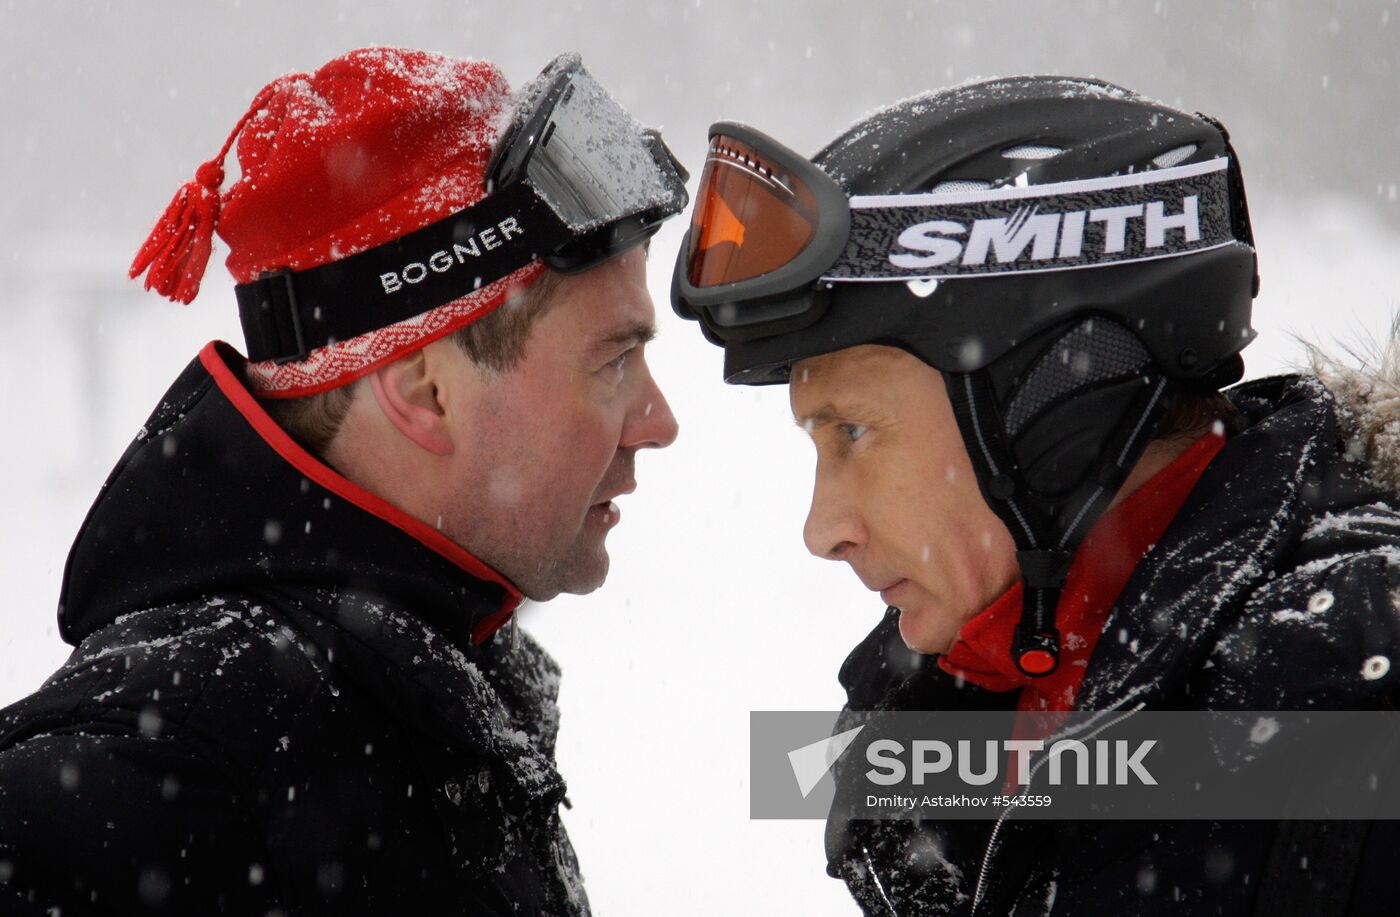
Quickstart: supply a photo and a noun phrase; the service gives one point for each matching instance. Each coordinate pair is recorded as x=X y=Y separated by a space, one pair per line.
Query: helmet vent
x=1173 y=157
x=960 y=184
x=1032 y=151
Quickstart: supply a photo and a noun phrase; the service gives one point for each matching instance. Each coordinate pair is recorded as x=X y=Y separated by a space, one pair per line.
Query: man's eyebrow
x=849 y=410
x=639 y=333
x=822 y=416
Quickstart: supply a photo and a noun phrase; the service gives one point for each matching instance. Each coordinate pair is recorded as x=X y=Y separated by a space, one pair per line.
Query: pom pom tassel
x=177 y=250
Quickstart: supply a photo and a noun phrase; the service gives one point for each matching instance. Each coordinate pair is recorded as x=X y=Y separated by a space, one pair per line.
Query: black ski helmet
x=1058 y=377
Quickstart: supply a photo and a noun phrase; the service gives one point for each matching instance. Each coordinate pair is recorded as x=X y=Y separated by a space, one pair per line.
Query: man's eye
x=612 y=370
x=853 y=431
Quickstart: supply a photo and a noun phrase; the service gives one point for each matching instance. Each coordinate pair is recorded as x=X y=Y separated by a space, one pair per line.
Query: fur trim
x=1367 y=390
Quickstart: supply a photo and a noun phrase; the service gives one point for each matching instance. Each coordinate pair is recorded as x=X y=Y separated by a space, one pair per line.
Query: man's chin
x=922 y=635
x=578 y=576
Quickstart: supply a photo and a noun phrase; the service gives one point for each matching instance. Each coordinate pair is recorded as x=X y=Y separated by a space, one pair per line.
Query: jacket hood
x=1368 y=406
x=213 y=497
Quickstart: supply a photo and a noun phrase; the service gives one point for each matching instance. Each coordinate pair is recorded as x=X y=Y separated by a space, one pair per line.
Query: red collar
x=1100 y=570
x=215 y=362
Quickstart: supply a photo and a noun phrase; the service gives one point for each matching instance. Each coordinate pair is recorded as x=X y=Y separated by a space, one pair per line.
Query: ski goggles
x=769 y=228
x=573 y=181
x=608 y=182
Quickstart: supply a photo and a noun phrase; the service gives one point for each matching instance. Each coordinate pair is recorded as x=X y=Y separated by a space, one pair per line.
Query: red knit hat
x=378 y=143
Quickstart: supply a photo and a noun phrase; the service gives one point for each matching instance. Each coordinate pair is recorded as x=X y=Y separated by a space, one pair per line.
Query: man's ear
x=408 y=395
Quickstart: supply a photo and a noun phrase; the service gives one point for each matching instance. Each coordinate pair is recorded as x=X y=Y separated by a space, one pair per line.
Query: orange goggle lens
x=750 y=216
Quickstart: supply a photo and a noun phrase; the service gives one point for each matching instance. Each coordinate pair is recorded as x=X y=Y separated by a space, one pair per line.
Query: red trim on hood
x=343 y=487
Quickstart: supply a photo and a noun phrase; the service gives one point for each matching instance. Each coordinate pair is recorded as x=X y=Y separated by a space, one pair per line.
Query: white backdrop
x=714 y=609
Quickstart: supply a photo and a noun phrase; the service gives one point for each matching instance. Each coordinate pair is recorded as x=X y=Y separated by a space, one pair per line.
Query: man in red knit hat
x=290 y=693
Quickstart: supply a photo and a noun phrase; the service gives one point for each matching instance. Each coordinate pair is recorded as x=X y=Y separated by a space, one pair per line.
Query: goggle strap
x=1037 y=228
x=286 y=314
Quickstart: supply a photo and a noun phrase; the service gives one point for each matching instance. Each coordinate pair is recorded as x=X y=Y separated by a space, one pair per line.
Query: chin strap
x=1052 y=431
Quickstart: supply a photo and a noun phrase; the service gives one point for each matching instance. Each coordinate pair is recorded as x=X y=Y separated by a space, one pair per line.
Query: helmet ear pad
x=1059 y=451
x=1062 y=396
x=1068 y=412
x=1052 y=428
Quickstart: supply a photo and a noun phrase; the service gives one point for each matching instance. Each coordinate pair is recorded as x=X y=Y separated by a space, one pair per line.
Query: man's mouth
x=626 y=488
x=607 y=509
x=891 y=593
x=607 y=512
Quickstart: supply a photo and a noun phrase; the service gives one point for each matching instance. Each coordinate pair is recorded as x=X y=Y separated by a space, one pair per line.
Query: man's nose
x=651 y=424
x=833 y=528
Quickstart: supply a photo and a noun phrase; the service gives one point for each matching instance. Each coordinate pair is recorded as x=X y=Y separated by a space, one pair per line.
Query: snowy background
x=714 y=608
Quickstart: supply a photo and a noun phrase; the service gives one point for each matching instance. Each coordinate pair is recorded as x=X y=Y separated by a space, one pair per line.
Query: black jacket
x=1282 y=513
x=277 y=703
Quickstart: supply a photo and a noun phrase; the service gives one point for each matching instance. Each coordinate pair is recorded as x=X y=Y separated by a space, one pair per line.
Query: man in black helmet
x=1005 y=312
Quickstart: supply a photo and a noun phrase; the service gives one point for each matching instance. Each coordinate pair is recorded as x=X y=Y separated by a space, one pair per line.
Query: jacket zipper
x=1006 y=812
x=875 y=877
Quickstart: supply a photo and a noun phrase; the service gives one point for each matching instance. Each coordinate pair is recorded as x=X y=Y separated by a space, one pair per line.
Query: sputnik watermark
x=955 y=801
x=810 y=763
x=1097 y=762
x=1108 y=765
